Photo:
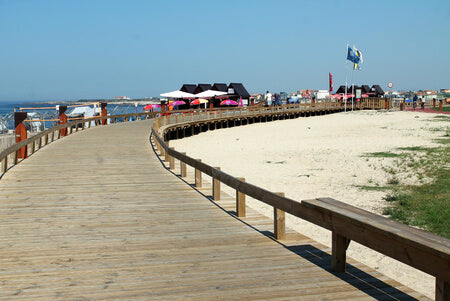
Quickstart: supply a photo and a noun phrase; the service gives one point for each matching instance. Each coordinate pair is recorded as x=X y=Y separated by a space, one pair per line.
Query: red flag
x=331 y=81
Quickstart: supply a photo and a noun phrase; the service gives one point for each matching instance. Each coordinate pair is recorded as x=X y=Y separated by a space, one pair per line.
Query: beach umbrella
x=198 y=101
x=151 y=106
x=210 y=93
x=177 y=103
x=228 y=102
x=178 y=94
x=241 y=103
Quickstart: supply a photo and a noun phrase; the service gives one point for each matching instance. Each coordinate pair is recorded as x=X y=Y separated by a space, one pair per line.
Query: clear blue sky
x=73 y=49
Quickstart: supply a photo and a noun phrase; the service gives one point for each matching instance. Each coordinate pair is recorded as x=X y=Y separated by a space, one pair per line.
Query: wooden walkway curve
x=96 y=216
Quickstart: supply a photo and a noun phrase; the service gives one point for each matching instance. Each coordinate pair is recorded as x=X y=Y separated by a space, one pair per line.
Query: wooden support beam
x=172 y=160
x=240 y=202
x=166 y=155
x=183 y=171
x=5 y=164
x=198 y=176
x=216 y=188
x=339 y=247
x=442 y=292
x=279 y=222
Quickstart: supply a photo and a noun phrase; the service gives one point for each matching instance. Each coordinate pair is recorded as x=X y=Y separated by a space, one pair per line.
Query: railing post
x=16 y=157
x=339 y=247
x=216 y=188
x=279 y=222
x=183 y=168
x=171 y=160
x=240 y=202
x=442 y=290
x=5 y=164
x=166 y=155
x=198 y=176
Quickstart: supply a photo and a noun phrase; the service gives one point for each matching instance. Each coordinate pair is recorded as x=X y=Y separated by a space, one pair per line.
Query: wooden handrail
x=422 y=250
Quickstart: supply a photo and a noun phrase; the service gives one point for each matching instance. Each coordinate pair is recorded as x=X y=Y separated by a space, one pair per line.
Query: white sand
x=323 y=156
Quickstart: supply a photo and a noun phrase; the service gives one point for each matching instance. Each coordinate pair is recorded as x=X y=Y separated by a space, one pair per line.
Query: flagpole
x=353 y=86
x=346 y=69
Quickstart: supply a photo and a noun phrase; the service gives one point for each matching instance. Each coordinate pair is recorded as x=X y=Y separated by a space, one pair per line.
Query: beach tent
x=178 y=94
x=341 y=90
x=210 y=93
x=365 y=89
x=189 y=88
x=377 y=90
x=239 y=90
x=201 y=88
x=220 y=87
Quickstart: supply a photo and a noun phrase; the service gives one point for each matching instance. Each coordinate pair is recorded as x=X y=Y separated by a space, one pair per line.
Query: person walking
x=415 y=102
x=422 y=103
x=268 y=99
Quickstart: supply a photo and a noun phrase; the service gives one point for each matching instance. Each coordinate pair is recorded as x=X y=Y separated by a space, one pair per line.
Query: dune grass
x=427 y=205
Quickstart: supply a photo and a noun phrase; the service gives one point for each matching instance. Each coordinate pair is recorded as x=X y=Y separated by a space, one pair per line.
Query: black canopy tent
x=377 y=90
x=235 y=91
x=201 y=88
x=239 y=90
x=189 y=88
x=220 y=87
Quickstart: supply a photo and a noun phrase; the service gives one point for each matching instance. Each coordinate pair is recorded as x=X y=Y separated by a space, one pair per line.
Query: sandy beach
x=324 y=156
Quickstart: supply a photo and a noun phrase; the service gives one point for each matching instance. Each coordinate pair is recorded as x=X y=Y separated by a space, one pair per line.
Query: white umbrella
x=178 y=94
x=210 y=93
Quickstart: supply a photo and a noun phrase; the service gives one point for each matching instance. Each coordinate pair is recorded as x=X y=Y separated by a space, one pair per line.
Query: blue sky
x=74 y=49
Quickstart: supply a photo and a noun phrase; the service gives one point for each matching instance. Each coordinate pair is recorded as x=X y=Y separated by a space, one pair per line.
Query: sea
x=7 y=110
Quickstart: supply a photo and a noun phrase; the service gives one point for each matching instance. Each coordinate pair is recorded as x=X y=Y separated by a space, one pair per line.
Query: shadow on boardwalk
x=359 y=279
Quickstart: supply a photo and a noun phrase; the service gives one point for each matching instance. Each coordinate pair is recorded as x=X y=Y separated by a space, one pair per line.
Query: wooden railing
x=43 y=138
x=9 y=156
x=419 y=249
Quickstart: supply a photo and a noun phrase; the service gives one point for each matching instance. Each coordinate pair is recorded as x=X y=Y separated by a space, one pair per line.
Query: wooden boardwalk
x=96 y=216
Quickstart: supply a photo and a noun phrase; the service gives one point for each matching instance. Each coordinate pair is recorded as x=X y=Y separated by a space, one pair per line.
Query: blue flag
x=353 y=56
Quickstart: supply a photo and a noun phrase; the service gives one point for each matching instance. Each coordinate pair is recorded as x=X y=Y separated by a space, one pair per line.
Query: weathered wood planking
x=96 y=216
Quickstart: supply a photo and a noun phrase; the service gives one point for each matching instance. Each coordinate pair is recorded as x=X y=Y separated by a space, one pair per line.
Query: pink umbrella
x=241 y=103
x=177 y=103
x=228 y=102
x=151 y=106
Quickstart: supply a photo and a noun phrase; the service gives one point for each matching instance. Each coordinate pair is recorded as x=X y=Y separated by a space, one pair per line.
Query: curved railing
x=43 y=138
x=416 y=248
x=419 y=249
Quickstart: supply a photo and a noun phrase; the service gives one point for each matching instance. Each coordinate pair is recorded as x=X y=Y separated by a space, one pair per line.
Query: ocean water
x=7 y=110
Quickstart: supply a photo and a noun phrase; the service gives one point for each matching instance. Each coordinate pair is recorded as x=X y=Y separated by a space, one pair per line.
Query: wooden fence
x=417 y=248
x=422 y=250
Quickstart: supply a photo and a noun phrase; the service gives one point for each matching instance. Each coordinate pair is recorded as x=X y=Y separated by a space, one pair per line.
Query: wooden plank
x=386 y=236
x=82 y=220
